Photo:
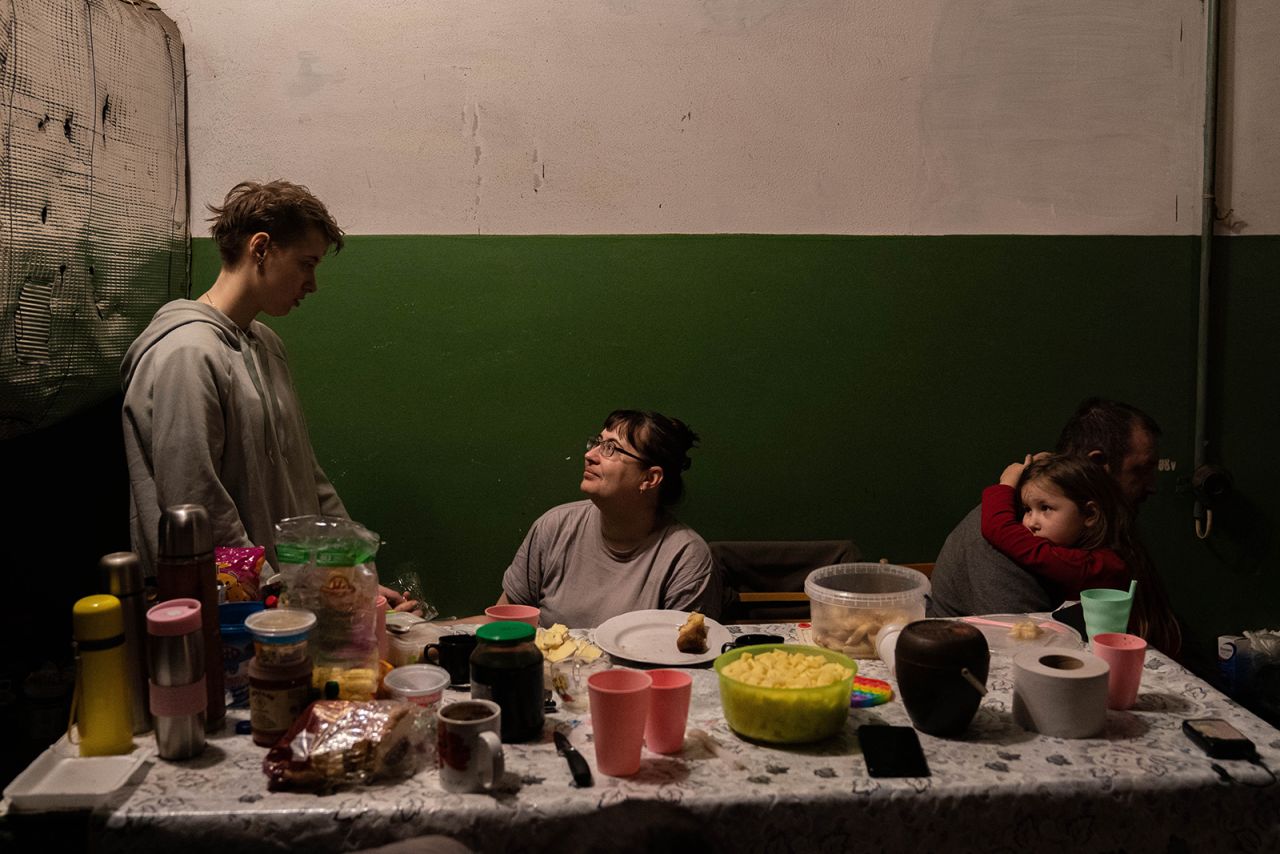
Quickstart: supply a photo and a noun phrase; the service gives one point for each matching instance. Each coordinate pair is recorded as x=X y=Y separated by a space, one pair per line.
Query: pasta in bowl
x=784 y=693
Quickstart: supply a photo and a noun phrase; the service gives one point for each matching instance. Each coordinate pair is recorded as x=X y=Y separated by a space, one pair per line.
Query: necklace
x=205 y=296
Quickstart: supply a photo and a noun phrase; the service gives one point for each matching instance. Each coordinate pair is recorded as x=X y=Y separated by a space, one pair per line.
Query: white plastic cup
x=421 y=684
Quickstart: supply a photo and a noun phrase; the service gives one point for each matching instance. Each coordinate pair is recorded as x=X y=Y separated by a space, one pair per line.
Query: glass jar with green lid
x=506 y=668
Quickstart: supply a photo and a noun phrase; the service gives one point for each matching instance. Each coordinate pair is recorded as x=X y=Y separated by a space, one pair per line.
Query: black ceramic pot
x=930 y=660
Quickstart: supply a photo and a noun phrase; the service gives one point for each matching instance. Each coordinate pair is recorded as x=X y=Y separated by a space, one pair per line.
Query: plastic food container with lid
x=851 y=603
x=785 y=715
x=420 y=684
x=407 y=635
x=280 y=635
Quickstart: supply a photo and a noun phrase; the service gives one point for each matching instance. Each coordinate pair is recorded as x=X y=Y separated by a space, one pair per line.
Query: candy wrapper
x=340 y=743
x=240 y=568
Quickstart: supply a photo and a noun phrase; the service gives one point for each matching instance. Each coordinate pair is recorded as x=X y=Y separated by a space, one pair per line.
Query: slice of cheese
x=563 y=651
x=551 y=638
x=557 y=645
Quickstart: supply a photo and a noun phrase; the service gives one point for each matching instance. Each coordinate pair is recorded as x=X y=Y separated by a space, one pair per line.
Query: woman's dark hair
x=662 y=441
x=1104 y=425
x=283 y=210
x=1081 y=480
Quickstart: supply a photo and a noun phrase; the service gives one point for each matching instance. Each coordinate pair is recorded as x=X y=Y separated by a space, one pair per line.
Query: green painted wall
x=844 y=386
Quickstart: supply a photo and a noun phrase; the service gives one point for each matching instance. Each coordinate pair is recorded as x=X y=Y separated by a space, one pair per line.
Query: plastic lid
x=414 y=680
x=402 y=620
x=174 y=617
x=97 y=618
x=280 y=623
x=506 y=631
x=866 y=585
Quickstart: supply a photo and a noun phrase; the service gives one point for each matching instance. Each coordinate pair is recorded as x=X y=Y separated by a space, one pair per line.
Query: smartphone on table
x=892 y=751
x=1219 y=739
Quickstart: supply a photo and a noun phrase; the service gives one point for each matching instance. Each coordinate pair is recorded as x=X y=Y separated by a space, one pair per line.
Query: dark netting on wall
x=93 y=197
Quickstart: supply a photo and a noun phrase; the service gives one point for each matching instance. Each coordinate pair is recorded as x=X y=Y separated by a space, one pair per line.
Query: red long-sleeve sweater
x=1072 y=570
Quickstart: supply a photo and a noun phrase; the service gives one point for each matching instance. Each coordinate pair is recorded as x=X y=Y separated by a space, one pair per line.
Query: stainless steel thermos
x=121 y=576
x=185 y=569
x=102 y=691
x=178 y=681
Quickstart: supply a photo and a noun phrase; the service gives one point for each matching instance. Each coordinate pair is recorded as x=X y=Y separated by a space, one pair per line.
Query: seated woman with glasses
x=621 y=549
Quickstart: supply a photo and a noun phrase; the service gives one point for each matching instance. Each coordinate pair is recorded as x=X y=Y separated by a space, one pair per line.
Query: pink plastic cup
x=517 y=613
x=619 y=708
x=1125 y=654
x=668 y=710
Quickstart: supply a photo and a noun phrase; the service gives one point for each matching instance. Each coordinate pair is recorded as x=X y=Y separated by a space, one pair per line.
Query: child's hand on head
x=1013 y=471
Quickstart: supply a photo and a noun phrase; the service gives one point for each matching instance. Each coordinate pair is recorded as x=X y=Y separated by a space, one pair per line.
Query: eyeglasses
x=609 y=447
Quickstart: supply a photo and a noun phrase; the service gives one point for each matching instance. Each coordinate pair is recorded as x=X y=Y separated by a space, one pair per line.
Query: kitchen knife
x=577 y=764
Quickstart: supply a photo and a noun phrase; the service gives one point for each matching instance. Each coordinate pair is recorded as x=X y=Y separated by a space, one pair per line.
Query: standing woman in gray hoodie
x=211 y=416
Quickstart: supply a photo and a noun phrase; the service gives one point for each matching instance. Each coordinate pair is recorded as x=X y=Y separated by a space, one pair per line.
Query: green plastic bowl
x=785 y=715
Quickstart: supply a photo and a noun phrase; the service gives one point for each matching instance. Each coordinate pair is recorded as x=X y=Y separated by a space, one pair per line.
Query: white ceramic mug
x=468 y=747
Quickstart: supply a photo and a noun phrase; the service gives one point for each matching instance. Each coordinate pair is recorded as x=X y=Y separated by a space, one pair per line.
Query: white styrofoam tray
x=59 y=779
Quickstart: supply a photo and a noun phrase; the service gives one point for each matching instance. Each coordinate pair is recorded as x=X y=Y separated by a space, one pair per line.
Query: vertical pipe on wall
x=1207 y=215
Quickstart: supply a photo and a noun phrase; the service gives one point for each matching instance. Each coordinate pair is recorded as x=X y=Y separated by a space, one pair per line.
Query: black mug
x=751 y=640
x=454 y=655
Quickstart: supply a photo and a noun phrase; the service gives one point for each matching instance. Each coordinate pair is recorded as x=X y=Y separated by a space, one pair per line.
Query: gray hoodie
x=211 y=418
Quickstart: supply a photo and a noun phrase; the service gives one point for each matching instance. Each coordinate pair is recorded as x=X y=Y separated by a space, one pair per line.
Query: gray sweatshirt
x=972 y=577
x=211 y=418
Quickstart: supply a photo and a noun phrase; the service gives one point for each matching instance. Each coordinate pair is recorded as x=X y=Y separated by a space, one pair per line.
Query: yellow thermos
x=102 y=677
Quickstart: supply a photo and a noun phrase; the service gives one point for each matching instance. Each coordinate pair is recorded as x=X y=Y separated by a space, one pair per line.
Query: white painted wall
x=761 y=116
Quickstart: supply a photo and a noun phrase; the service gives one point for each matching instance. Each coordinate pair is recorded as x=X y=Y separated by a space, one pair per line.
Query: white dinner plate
x=649 y=637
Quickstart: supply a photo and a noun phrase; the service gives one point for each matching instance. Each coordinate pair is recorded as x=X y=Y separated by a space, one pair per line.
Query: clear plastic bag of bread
x=337 y=743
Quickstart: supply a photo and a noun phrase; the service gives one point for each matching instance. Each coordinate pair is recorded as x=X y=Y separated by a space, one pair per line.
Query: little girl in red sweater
x=1063 y=519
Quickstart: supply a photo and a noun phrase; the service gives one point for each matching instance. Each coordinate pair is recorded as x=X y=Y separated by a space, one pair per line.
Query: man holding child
x=972 y=577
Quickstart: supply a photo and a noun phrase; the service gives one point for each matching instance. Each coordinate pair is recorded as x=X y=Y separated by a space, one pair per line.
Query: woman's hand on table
x=400 y=601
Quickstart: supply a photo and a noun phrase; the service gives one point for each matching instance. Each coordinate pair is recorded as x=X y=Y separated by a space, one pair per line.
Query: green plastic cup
x=1106 y=610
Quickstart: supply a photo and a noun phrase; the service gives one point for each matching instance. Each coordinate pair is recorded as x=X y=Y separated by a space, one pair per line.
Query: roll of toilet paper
x=1060 y=692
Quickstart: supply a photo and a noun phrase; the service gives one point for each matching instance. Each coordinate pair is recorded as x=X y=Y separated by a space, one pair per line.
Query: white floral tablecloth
x=1142 y=786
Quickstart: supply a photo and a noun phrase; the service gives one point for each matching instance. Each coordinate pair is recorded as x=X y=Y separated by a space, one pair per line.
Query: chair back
x=764 y=579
